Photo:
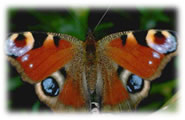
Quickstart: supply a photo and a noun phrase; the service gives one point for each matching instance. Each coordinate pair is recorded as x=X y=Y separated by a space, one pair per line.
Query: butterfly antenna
x=102 y=18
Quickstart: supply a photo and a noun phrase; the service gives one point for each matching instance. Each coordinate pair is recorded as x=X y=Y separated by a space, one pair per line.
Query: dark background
x=77 y=22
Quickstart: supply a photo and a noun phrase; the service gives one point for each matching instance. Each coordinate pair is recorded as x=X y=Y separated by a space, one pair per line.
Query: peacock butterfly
x=112 y=74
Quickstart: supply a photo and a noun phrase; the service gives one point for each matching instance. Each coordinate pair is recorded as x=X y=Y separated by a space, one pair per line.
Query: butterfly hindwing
x=39 y=57
x=117 y=93
x=70 y=93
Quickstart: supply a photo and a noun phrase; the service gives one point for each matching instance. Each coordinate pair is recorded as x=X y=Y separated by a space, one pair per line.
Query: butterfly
x=111 y=74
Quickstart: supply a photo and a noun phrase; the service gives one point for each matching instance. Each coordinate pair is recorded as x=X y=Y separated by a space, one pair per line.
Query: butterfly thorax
x=90 y=47
x=90 y=62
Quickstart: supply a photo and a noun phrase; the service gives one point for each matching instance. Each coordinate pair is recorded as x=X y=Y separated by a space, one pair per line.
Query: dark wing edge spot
x=124 y=38
x=141 y=37
x=39 y=39
x=56 y=40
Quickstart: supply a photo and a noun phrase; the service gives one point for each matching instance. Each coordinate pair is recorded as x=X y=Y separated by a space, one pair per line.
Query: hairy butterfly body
x=113 y=73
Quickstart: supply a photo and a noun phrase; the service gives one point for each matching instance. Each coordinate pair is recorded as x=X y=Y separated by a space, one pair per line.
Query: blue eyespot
x=134 y=84
x=50 y=87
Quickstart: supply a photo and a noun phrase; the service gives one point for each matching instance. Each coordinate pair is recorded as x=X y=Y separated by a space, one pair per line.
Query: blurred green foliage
x=14 y=83
x=75 y=22
x=36 y=106
x=150 y=17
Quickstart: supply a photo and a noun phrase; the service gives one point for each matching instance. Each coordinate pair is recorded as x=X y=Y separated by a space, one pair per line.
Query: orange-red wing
x=114 y=91
x=135 y=58
x=145 y=60
x=71 y=94
x=37 y=55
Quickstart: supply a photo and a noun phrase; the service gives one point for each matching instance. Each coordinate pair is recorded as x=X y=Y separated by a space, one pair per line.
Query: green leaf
x=74 y=23
x=171 y=104
x=36 y=106
x=152 y=106
x=104 y=26
x=150 y=17
x=14 y=83
x=164 y=88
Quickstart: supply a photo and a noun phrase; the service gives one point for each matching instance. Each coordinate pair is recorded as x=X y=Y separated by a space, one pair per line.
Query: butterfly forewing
x=144 y=53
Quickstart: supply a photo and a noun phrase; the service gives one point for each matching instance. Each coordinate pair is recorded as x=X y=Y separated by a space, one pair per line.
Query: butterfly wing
x=143 y=53
x=40 y=58
x=130 y=61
